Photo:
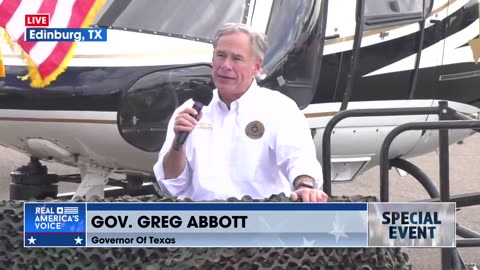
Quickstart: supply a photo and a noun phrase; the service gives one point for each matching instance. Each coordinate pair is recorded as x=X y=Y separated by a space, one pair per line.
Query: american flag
x=45 y=60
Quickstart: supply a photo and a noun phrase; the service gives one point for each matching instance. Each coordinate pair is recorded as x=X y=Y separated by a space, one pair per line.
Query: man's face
x=234 y=64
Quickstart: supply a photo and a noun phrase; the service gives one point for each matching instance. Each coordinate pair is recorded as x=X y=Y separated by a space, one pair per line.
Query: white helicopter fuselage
x=94 y=138
x=74 y=138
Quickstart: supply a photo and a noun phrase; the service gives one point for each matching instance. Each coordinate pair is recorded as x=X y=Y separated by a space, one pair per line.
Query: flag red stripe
x=7 y=9
x=47 y=6
x=80 y=10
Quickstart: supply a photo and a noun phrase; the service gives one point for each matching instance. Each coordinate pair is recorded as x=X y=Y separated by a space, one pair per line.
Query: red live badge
x=37 y=20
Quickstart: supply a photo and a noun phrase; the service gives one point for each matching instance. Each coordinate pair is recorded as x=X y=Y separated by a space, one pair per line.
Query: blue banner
x=228 y=224
x=37 y=34
x=139 y=224
x=55 y=224
x=227 y=206
x=55 y=240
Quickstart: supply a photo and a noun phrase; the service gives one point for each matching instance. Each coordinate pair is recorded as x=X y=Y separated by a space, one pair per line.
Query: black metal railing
x=449 y=119
x=326 y=142
x=444 y=167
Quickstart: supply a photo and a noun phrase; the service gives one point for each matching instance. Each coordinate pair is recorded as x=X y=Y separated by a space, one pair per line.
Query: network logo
x=67 y=210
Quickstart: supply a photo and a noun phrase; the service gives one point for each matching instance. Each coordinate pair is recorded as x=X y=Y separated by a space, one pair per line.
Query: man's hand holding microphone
x=174 y=161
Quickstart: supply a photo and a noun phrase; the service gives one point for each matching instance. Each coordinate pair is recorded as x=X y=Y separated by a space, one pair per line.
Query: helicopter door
x=295 y=34
x=380 y=46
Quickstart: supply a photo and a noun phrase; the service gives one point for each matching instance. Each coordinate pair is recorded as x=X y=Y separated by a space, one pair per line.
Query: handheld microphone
x=202 y=96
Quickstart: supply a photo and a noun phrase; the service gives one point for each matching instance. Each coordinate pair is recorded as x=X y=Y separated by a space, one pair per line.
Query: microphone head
x=203 y=94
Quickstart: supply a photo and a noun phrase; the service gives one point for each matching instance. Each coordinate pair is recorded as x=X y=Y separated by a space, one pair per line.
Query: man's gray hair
x=258 y=39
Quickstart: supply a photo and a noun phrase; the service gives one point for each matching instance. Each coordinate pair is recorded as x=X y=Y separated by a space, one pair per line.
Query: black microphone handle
x=182 y=136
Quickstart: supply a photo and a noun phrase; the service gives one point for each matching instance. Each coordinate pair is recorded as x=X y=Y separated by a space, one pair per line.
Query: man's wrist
x=172 y=147
x=303 y=182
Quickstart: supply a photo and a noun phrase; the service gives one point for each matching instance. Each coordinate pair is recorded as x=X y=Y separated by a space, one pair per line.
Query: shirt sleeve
x=171 y=186
x=294 y=146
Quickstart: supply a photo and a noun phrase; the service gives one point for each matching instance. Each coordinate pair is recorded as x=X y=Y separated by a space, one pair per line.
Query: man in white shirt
x=248 y=141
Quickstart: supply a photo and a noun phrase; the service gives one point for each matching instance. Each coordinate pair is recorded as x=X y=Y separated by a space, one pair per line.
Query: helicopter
x=107 y=114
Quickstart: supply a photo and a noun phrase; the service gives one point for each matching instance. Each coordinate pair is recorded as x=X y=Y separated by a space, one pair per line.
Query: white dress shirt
x=223 y=161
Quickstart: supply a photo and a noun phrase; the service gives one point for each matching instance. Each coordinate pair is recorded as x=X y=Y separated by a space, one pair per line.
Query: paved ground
x=464 y=174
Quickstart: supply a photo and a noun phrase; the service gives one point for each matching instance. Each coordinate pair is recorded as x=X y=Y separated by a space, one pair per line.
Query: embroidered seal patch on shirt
x=255 y=130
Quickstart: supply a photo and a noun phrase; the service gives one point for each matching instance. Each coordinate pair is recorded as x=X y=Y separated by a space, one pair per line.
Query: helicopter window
x=380 y=13
x=146 y=108
x=284 y=26
x=185 y=18
x=288 y=31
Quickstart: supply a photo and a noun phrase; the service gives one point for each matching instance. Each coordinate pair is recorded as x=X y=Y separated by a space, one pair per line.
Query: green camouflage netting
x=14 y=256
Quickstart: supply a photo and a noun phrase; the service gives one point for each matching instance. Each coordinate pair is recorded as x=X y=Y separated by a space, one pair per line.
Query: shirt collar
x=241 y=103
